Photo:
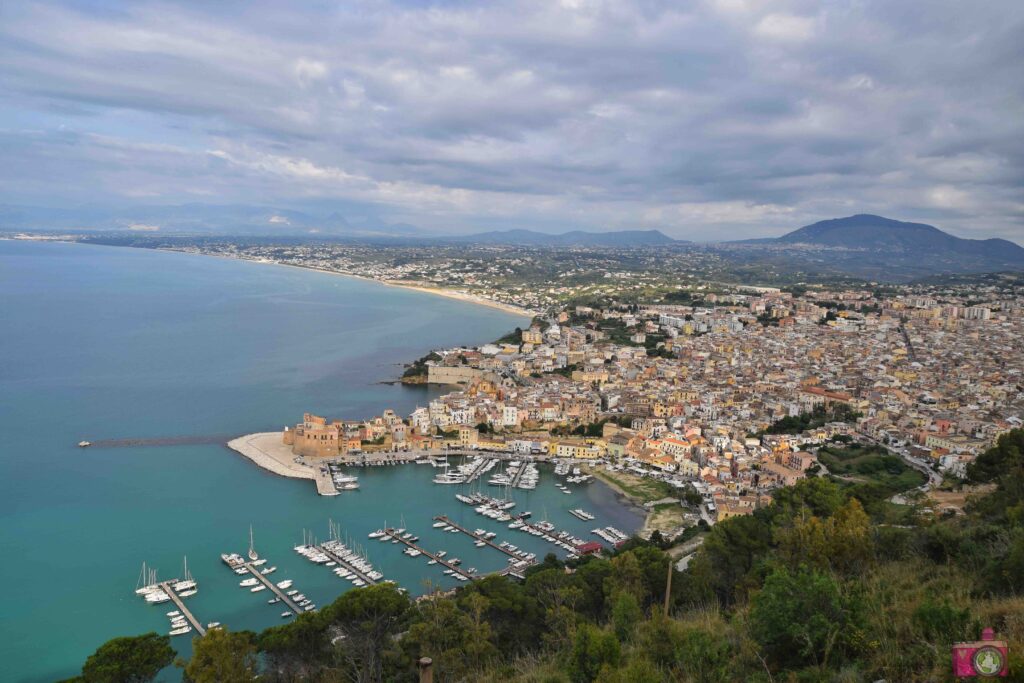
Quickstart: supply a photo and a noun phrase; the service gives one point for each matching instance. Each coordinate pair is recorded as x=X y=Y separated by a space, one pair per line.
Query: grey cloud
x=736 y=116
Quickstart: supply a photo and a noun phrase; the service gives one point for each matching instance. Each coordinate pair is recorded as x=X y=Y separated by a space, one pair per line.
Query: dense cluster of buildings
x=939 y=378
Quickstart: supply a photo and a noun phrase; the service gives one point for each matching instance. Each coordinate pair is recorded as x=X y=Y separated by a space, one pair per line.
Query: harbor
x=450 y=565
x=522 y=559
x=168 y=588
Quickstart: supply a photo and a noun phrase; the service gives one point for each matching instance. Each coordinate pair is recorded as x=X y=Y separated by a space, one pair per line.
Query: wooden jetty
x=341 y=562
x=255 y=571
x=167 y=587
x=391 y=533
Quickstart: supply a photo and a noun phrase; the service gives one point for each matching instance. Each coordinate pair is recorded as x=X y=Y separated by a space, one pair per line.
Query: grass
x=664 y=517
x=639 y=489
x=870 y=465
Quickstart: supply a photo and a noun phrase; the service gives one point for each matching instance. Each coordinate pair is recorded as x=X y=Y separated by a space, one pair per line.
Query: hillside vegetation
x=815 y=587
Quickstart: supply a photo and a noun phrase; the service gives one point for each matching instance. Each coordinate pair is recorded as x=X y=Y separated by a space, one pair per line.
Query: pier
x=476 y=537
x=255 y=571
x=478 y=470
x=391 y=533
x=518 y=475
x=344 y=564
x=324 y=482
x=167 y=587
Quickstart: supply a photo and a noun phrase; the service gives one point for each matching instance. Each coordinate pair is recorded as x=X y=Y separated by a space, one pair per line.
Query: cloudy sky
x=708 y=119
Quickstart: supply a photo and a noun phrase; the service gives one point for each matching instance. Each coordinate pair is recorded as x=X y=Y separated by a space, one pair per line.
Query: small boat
x=285 y=615
x=287 y=583
x=273 y=601
x=252 y=551
x=84 y=444
x=213 y=624
x=180 y=631
x=257 y=589
x=175 y=613
x=268 y=570
x=245 y=583
x=187 y=594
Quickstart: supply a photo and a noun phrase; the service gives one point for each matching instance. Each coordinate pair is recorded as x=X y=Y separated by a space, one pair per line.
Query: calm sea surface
x=101 y=343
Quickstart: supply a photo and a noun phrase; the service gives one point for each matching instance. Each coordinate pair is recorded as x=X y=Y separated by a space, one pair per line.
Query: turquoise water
x=99 y=342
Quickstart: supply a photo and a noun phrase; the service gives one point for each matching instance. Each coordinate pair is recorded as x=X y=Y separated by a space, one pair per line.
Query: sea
x=181 y=352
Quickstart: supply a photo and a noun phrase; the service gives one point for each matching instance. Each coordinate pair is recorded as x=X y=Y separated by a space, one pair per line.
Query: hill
x=886 y=250
x=865 y=231
x=575 y=238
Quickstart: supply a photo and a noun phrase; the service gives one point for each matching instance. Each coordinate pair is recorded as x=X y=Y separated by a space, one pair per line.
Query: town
x=730 y=399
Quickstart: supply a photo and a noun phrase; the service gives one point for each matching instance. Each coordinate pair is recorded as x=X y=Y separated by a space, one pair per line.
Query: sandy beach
x=437 y=291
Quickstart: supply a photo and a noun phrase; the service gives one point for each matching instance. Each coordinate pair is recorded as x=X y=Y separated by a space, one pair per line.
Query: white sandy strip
x=267 y=450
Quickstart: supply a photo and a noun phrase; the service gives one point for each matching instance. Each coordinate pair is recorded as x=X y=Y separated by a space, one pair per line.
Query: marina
x=453 y=568
x=270 y=585
x=168 y=588
x=523 y=560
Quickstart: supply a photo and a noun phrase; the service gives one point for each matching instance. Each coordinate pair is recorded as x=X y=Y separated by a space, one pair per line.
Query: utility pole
x=668 y=586
x=426 y=665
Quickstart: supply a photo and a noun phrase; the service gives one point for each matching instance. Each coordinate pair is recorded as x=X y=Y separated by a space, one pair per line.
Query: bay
x=100 y=342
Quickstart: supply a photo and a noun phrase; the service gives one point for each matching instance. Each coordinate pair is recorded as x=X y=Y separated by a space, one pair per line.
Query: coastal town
x=720 y=403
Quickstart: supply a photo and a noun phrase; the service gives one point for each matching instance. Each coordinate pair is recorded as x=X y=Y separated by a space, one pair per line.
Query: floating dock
x=255 y=571
x=167 y=587
x=341 y=562
x=477 y=537
x=391 y=533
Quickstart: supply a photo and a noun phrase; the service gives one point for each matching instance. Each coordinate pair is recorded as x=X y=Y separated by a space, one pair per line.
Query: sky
x=706 y=119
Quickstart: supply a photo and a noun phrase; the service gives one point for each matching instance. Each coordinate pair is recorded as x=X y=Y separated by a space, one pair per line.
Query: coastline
x=437 y=291
x=458 y=295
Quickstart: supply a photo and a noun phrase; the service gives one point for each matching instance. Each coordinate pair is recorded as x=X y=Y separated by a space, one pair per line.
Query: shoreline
x=455 y=294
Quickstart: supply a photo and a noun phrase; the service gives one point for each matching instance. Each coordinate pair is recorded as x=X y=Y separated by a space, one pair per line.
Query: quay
x=167 y=587
x=341 y=562
x=324 y=483
x=255 y=571
x=476 y=537
x=391 y=533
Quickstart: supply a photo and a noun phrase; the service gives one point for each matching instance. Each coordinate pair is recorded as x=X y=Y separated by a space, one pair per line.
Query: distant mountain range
x=530 y=238
x=199 y=219
x=862 y=246
x=880 y=248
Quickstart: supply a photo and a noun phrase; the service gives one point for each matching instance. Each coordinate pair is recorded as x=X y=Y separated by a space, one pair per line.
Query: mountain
x=575 y=238
x=887 y=250
x=865 y=231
